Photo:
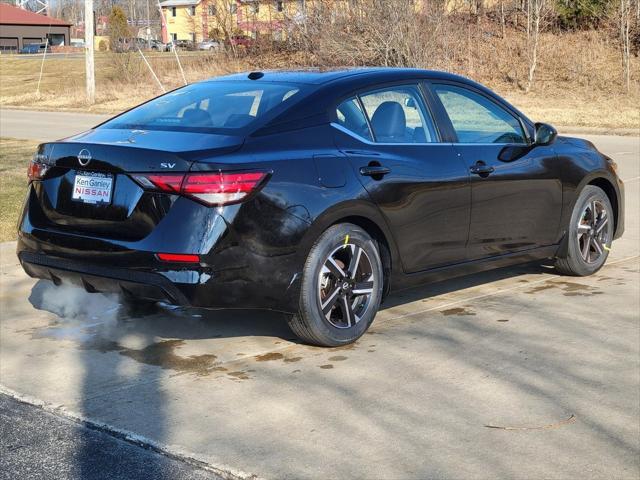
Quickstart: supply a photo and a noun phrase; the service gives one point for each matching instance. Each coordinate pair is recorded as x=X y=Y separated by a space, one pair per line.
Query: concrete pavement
x=553 y=362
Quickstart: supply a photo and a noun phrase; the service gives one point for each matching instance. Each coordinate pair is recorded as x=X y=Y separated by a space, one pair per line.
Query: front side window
x=223 y=107
x=351 y=117
x=476 y=119
x=397 y=115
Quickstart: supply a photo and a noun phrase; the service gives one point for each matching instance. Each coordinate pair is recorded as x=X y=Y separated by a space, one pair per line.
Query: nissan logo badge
x=84 y=157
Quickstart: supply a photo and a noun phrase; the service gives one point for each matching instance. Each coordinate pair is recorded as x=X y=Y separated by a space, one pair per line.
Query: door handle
x=374 y=171
x=482 y=169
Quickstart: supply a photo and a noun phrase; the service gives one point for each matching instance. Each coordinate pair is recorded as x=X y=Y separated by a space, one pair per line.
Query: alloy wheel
x=593 y=235
x=345 y=285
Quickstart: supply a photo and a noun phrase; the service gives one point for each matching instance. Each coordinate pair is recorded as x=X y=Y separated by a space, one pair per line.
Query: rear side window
x=351 y=117
x=209 y=106
x=397 y=115
x=476 y=119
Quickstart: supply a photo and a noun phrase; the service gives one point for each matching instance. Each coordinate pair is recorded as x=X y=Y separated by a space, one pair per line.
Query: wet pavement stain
x=502 y=320
x=267 y=357
x=240 y=375
x=326 y=367
x=292 y=359
x=161 y=354
x=457 y=311
x=337 y=358
x=540 y=288
x=570 y=289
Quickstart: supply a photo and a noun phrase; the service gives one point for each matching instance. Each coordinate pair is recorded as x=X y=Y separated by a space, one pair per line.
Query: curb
x=173 y=452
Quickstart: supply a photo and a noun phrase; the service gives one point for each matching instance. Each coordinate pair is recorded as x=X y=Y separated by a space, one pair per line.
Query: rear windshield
x=217 y=107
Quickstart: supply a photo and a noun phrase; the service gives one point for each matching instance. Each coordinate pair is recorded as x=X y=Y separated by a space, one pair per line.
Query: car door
x=516 y=197
x=420 y=185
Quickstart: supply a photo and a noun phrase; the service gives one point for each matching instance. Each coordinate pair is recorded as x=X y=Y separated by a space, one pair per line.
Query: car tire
x=589 y=236
x=341 y=290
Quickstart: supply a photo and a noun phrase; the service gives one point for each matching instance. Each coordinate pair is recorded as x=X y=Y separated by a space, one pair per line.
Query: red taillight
x=36 y=170
x=221 y=188
x=177 y=257
x=211 y=188
x=166 y=183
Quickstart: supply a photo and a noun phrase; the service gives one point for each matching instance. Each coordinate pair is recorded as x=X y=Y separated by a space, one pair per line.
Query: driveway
x=516 y=373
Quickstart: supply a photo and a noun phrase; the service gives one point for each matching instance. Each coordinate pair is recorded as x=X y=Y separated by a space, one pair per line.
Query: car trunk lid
x=90 y=187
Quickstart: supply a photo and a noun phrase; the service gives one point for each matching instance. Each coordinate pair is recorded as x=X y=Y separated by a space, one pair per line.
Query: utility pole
x=88 y=52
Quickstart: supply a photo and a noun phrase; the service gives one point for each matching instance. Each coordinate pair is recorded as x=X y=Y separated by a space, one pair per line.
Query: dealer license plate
x=92 y=187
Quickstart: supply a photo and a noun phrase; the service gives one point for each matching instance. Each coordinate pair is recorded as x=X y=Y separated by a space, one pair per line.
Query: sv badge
x=167 y=165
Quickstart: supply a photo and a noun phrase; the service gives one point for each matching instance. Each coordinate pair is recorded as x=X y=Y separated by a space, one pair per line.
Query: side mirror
x=545 y=134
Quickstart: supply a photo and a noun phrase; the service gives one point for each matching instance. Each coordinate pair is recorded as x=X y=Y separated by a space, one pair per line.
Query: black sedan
x=315 y=194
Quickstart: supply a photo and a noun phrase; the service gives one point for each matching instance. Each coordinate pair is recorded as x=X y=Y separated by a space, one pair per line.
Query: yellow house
x=187 y=19
x=196 y=20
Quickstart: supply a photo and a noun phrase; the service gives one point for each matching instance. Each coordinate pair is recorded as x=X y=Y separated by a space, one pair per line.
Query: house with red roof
x=20 y=27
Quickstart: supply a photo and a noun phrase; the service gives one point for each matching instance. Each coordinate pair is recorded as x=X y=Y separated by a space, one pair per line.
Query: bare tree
x=624 y=19
x=537 y=12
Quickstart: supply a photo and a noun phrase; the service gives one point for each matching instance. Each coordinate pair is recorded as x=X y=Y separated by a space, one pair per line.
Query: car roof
x=319 y=76
x=344 y=81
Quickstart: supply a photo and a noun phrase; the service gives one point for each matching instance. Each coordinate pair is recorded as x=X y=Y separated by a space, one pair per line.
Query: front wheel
x=589 y=235
x=341 y=288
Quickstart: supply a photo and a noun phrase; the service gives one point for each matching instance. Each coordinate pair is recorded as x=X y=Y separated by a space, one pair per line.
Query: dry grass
x=122 y=80
x=14 y=158
x=578 y=80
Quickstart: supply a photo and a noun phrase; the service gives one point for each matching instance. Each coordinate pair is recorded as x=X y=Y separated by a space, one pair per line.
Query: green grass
x=14 y=159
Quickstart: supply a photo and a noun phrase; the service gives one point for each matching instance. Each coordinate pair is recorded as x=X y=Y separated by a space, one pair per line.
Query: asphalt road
x=35 y=444
x=45 y=126
x=516 y=373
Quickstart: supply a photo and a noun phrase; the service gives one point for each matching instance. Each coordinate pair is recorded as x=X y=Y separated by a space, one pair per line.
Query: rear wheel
x=341 y=288
x=589 y=234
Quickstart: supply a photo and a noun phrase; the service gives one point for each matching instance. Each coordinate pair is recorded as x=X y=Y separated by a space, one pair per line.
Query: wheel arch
x=607 y=186
x=604 y=180
x=375 y=232
x=366 y=216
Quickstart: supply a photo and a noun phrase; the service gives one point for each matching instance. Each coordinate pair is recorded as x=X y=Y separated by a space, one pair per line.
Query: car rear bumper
x=101 y=279
x=238 y=268
x=188 y=287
